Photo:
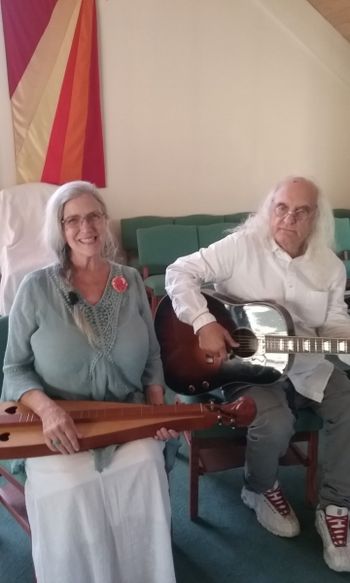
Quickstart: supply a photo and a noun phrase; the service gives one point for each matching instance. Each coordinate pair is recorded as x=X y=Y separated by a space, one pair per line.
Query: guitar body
x=185 y=366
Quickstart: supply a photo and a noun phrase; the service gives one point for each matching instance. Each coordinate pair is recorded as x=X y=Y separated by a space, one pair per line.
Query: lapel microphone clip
x=73 y=298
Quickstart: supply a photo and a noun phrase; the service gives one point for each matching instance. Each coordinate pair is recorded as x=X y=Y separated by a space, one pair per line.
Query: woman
x=82 y=329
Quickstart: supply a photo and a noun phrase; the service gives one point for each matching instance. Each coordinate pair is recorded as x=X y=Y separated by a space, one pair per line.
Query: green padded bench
x=342 y=241
x=129 y=227
x=161 y=245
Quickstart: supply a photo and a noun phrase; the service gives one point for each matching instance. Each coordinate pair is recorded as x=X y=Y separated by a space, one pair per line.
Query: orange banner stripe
x=73 y=152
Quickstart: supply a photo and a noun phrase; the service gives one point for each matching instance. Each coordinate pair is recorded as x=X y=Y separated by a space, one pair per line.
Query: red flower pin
x=120 y=284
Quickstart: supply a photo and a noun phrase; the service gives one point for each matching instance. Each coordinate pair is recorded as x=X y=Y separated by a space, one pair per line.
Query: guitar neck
x=300 y=344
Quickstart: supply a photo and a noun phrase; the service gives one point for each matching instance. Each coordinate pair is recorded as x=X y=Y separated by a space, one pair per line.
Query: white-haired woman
x=283 y=254
x=82 y=329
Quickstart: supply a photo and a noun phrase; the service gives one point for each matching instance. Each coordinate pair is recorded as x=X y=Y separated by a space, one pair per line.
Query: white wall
x=208 y=102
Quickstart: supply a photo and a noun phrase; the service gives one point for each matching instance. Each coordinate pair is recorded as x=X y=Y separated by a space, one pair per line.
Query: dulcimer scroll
x=104 y=423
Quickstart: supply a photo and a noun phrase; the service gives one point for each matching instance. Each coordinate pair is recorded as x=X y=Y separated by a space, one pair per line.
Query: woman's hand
x=164 y=434
x=155 y=396
x=59 y=430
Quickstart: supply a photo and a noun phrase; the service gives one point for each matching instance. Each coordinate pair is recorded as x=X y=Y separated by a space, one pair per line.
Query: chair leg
x=154 y=303
x=194 y=478
x=311 y=470
x=12 y=498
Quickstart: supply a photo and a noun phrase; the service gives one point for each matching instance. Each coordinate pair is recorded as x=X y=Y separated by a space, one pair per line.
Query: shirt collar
x=279 y=252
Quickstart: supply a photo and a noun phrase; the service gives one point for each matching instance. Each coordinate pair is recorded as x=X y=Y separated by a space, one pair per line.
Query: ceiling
x=337 y=12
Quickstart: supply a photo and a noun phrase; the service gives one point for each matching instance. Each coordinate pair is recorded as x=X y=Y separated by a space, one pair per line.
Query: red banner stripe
x=93 y=163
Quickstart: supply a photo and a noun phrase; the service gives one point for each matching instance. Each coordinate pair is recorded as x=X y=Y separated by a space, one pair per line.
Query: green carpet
x=225 y=545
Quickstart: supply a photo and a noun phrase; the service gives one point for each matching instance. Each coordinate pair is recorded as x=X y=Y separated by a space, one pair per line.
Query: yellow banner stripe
x=35 y=100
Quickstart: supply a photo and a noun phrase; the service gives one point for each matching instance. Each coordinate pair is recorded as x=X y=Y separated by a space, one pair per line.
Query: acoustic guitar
x=267 y=345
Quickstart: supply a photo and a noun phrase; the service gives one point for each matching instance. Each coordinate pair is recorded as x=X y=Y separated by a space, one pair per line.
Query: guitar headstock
x=239 y=413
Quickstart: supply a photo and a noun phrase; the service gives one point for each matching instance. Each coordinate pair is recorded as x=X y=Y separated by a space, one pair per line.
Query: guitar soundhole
x=248 y=343
x=11 y=410
x=4 y=436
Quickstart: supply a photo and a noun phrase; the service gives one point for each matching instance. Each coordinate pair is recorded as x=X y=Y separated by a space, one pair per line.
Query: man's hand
x=215 y=341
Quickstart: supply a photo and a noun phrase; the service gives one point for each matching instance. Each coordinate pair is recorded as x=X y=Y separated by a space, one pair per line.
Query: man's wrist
x=202 y=320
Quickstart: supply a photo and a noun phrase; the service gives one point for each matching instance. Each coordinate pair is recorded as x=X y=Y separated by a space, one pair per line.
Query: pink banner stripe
x=24 y=22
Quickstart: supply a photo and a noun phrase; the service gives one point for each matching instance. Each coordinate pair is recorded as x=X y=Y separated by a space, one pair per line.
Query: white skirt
x=108 y=527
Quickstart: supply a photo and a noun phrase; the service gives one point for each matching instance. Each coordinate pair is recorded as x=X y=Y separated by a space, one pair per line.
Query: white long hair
x=322 y=234
x=54 y=237
x=53 y=231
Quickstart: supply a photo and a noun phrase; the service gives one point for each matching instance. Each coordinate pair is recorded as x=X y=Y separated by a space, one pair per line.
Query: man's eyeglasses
x=302 y=214
x=75 y=221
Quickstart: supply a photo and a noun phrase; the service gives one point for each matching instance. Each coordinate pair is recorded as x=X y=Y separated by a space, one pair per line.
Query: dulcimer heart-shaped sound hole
x=4 y=436
x=11 y=410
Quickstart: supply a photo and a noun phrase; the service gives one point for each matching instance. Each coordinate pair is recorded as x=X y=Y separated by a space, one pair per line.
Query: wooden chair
x=222 y=448
x=12 y=485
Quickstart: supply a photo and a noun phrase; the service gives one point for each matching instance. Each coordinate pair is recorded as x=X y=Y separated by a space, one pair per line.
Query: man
x=283 y=254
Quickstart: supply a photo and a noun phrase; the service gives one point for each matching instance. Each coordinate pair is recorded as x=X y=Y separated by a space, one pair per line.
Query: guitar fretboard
x=299 y=344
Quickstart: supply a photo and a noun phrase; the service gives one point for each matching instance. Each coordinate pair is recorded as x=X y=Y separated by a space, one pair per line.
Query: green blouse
x=47 y=351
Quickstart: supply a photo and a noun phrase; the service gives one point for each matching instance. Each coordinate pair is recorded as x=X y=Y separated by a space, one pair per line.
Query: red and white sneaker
x=273 y=511
x=332 y=524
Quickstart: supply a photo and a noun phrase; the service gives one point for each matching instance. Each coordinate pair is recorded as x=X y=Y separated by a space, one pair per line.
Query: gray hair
x=54 y=237
x=322 y=234
x=53 y=230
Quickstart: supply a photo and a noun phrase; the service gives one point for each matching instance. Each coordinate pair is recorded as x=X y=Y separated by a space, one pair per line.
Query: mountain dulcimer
x=103 y=423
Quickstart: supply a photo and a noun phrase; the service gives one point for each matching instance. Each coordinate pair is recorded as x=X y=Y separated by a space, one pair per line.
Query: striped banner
x=53 y=75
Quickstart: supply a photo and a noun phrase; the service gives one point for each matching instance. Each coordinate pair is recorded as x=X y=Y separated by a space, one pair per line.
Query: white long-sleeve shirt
x=254 y=268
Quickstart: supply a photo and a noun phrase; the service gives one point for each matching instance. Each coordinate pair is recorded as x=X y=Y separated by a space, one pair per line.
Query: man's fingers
x=217 y=358
x=230 y=340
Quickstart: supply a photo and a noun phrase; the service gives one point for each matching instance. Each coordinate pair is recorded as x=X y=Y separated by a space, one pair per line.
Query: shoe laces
x=276 y=498
x=338 y=527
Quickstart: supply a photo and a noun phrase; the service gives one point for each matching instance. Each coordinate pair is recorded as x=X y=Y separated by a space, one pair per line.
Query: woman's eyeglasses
x=75 y=221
